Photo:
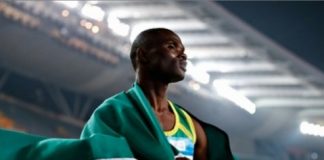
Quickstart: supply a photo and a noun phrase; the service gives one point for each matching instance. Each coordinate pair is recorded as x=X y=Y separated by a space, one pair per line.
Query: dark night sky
x=298 y=26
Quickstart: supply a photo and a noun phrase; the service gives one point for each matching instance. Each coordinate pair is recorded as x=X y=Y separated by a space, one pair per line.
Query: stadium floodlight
x=93 y=12
x=197 y=74
x=70 y=4
x=117 y=26
x=225 y=90
x=65 y=13
x=95 y=29
x=311 y=129
x=194 y=85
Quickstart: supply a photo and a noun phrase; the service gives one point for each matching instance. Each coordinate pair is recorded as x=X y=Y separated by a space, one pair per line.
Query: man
x=145 y=120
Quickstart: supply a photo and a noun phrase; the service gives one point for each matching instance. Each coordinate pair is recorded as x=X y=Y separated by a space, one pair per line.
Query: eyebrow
x=170 y=41
x=173 y=41
x=180 y=44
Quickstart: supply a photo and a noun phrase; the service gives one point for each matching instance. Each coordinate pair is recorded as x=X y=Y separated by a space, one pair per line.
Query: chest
x=167 y=120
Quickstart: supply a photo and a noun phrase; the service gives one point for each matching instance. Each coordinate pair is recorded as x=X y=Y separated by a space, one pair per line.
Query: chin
x=177 y=78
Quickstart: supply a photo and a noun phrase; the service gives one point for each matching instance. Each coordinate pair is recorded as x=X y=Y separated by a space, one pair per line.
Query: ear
x=141 y=56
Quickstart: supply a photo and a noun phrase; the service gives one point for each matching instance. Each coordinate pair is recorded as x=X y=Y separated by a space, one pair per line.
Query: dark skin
x=160 y=62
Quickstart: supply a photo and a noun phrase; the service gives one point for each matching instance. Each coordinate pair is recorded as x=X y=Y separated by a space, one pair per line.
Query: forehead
x=165 y=36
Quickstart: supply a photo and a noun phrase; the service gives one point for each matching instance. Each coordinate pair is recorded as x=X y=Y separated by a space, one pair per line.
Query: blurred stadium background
x=255 y=68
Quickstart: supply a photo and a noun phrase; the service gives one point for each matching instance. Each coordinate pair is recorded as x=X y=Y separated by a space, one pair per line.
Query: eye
x=171 y=46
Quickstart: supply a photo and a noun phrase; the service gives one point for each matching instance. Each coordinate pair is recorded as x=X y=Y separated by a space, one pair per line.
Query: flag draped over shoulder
x=21 y=146
x=129 y=114
x=122 y=127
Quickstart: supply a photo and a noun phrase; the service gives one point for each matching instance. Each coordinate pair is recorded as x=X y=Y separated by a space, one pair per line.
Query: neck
x=155 y=92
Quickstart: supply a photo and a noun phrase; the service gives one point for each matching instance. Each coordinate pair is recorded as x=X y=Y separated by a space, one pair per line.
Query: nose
x=183 y=56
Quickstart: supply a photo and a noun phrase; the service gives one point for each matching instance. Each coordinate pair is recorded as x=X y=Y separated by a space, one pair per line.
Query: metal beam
x=59 y=99
x=76 y=105
x=4 y=79
x=85 y=108
x=289 y=102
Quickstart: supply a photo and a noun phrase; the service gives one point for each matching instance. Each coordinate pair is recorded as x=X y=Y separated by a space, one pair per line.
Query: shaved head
x=143 y=40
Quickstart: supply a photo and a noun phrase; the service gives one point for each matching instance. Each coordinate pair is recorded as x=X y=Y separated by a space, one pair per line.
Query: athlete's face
x=167 y=59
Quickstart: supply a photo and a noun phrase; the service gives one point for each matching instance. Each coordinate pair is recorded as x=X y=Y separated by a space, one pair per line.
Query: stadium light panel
x=197 y=74
x=117 y=26
x=93 y=12
x=311 y=129
x=226 y=91
x=212 y=66
x=69 y=4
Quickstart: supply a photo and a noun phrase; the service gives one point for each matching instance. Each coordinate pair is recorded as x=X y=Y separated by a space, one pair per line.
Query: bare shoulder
x=201 y=142
x=201 y=135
